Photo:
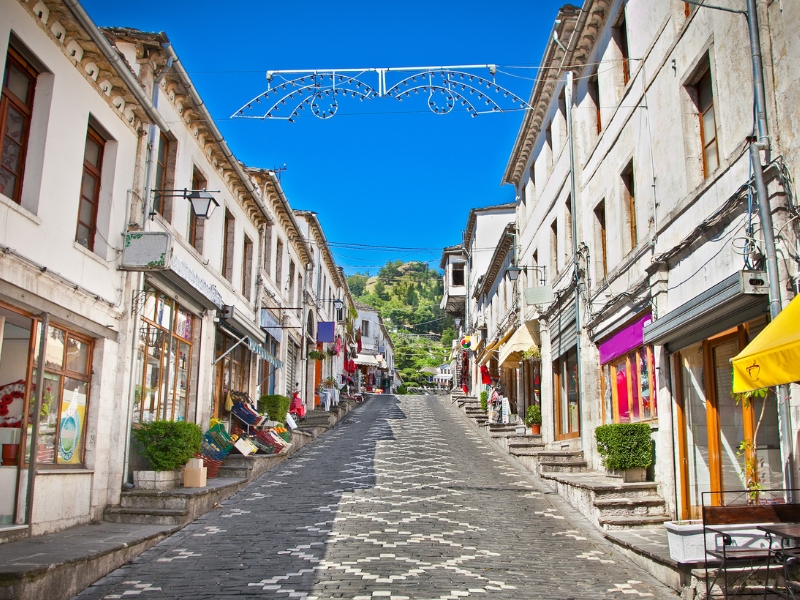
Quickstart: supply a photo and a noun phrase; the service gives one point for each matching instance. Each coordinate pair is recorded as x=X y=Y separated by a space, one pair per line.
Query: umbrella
x=773 y=357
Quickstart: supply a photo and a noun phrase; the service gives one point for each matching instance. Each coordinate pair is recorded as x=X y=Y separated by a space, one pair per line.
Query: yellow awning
x=524 y=338
x=487 y=352
x=773 y=357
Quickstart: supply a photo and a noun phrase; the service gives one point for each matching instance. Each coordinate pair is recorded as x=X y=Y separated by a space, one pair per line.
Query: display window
x=633 y=390
x=67 y=378
x=164 y=360
x=567 y=395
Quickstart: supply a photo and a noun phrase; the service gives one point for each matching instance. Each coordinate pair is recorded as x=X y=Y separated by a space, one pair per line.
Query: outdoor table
x=789 y=535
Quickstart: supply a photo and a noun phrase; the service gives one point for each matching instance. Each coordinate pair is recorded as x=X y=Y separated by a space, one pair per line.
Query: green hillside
x=407 y=295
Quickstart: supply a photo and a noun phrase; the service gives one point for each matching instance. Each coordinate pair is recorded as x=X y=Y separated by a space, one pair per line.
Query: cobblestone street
x=401 y=500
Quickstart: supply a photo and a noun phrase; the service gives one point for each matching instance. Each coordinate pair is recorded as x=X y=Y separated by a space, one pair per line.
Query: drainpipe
x=148 y=185
x=37 y=409
x=574 y=211
x=765 y=215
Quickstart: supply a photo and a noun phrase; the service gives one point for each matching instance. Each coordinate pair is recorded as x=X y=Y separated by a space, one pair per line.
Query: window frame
x=196 y=225
x=25 y=108
x=701 y=113
x=62 y=373
x=631 y=361
x=228 y=240
x=600 y=220
x=247 y=266
x=96 y=172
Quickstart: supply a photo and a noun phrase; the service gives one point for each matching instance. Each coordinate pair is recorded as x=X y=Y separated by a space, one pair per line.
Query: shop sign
x=624 y=340
x=205 y=288
x=542 y=294
x=146 y=251
x=271 y=325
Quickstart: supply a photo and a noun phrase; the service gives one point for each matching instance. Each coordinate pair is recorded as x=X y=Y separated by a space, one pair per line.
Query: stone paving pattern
x=402 y=500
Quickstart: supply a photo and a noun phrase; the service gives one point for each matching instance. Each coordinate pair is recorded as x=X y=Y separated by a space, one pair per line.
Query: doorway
x=717 y=433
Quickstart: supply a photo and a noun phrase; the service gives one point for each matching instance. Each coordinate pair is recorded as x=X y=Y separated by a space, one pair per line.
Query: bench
x=734 y=546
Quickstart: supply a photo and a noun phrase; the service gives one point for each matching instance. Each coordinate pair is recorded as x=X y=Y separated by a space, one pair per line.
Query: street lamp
x=457 y=322
x=513 y=272
x=203 y=202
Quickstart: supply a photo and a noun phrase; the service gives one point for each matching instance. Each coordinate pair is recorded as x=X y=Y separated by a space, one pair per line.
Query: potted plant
x=484 y=400
x=626 y=449
x=316 y=355
x=274 y=405
x=166 y=445
x=533 y=418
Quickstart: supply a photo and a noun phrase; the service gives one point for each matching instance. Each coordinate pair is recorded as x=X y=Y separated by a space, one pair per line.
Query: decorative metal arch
x=318 y=91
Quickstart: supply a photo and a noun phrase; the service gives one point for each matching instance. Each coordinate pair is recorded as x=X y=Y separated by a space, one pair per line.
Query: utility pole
x=765 y=215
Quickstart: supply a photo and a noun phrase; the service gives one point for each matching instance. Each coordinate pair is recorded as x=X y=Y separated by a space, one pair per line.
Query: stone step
x=237 y=472
x=560 y=456
x=527 y=441
x=560 y=466
x=614 y=523
x=631 y=507
x=151 y=499
x=645 y=489
x=147 y=516
x=531 y=451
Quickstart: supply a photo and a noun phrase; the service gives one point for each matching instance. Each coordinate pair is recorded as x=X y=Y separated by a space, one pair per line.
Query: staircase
x=175 y=507
x=608 y=502
x=561 y=461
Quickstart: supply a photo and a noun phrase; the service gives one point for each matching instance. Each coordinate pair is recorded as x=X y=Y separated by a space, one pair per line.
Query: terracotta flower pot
x=536 y=429
x=10 y=455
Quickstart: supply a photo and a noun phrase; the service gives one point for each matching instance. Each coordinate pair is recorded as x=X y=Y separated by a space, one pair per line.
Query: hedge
x=275 y=405
x=167 y=445
x=624 y=445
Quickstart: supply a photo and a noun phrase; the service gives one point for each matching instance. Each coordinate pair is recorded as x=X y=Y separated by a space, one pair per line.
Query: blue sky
x=379 y=173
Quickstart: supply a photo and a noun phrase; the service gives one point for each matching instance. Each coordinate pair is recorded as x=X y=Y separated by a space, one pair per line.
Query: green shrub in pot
x=167 y=445
x=275 y=405
x=533 y=416
x=624 y=445
x=484 y=400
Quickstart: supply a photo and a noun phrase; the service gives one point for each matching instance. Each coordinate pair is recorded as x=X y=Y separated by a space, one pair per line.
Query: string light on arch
x=289 y=93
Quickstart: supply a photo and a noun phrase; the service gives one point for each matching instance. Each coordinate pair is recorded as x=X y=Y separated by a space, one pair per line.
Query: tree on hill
x=357 y=284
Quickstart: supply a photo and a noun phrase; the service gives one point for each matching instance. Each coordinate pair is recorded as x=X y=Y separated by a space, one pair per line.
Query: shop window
x=567 y=396
x=90 y=189
x=633 y=390
x=16 y=107
x=247 y=267
x=228 y=237
x=196 y=226
x=163 y=363
x=65 y=398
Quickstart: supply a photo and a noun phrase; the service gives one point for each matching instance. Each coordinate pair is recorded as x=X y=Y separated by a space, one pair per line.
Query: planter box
x=686 y=543
x=633 y=475
x=156 y=480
